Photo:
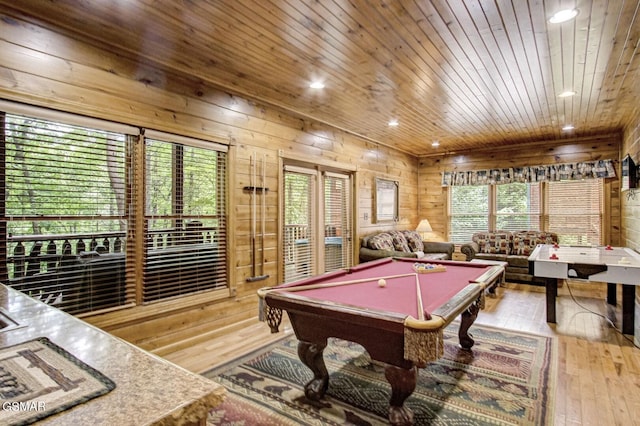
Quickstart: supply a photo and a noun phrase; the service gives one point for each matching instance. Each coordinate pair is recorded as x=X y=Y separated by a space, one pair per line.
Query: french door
x=318 y=212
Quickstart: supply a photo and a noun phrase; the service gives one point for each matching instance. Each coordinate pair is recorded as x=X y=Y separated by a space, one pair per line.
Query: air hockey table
x=612 y=265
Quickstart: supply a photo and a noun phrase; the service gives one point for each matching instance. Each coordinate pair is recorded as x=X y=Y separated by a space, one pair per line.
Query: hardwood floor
x=598 y=368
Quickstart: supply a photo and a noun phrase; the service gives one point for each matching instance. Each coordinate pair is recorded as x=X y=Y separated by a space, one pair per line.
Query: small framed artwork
x=628 y=173
x=386 y=200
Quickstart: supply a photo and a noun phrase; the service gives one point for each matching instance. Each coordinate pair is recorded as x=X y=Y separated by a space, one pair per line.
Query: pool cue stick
x=253 y=211
x=252 y=178
x=263 y=226
x=338 y=283
x=419 y=296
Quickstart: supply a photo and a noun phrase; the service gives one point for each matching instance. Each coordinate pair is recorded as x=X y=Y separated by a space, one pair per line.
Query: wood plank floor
x=598 y=368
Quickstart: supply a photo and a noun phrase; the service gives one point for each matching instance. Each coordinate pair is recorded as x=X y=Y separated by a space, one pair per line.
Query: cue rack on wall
x=254 y=190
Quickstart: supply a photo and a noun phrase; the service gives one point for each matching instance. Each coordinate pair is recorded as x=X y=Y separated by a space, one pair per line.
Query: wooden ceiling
x=471 y=74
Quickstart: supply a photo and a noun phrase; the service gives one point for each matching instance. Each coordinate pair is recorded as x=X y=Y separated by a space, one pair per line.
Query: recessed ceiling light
x=317 y=85
x=435 y=144
x=393 y=122
x=568 y=128
x=563 y=16
x=566 y=94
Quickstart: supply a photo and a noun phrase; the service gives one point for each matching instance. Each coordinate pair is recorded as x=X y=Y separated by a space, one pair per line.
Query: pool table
x=394 y=308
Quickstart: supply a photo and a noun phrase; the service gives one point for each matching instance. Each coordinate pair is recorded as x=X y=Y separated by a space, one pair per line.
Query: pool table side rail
x=340 y=311
x=474 y=291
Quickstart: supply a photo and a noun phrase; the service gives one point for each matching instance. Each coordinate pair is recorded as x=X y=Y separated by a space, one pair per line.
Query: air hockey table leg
x=612 y=298
x=628 y=308
x=551 y=285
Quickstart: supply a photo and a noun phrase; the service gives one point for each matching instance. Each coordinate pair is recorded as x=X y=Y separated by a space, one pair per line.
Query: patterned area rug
x=508 y=379
x=39 y=378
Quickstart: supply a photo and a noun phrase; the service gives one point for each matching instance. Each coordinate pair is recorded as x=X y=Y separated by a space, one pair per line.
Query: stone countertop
x=149 y=390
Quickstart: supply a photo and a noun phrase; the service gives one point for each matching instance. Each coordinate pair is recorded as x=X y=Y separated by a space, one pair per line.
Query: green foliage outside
x=62 y=179
x=516 y=208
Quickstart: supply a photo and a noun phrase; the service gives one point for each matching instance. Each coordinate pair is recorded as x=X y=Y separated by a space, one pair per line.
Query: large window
x=64 y=202
x=468 y=211
x=73 y=216
x=517 y=206
x=185 y=248
x=575 y=211
x=572 y=209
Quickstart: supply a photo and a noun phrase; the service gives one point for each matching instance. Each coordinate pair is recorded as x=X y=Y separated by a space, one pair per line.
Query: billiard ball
x=382 y=282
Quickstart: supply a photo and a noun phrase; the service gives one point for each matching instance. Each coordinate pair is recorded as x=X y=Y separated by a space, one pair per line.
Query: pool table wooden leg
x=403 y=383
x=467 y=319
x=311 y=355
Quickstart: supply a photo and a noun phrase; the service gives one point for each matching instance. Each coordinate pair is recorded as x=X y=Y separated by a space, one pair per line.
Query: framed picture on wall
x=386 y=200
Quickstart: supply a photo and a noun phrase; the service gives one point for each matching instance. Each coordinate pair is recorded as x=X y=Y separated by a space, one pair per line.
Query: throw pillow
x=381 y=241
x=399 y=241
x=414 y=241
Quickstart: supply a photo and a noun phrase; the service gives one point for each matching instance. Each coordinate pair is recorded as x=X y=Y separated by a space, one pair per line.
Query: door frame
x=319 y=165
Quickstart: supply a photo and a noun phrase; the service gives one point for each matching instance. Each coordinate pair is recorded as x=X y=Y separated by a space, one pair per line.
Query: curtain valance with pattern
x=528 y=174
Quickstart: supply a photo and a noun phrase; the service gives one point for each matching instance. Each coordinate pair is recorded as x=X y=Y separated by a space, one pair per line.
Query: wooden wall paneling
x=630 y=200
x=178 y=114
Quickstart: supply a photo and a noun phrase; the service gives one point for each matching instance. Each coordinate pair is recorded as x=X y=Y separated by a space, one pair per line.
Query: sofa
x=513 y=247
x=402 y=244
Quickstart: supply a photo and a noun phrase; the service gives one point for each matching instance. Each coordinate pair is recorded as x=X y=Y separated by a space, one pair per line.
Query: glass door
x=337 y=221
x=299 y=220
x=318 y=213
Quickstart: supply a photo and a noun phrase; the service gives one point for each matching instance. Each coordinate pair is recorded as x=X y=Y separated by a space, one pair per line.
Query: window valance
x=550 y=173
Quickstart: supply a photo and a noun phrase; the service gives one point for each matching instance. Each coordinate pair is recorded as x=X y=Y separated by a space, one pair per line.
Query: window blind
x=518 y=206
x=299 y=234
x=337 y=219
x=575 y=211
x=468 y=211
x=185 y=219
x=64 y=213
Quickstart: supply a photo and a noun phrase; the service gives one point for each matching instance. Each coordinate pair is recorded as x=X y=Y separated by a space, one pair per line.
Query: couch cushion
x=524 y=242
x=414 y=241
x=399 y=241
x=492 y=256
x=435 y=256
x=381 y=241
x=518 y=261
x=498 y=242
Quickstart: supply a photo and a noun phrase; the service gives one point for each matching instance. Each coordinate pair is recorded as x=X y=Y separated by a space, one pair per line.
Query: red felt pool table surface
x=399 y=295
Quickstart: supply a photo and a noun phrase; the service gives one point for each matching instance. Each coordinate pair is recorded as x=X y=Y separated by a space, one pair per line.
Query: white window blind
x=575 y=211
x=64 y=221
x=299 y=224
x=518 y=206
x=468 y=211
x=337 y=220
x=185 y=219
